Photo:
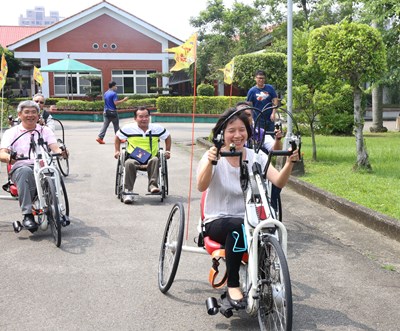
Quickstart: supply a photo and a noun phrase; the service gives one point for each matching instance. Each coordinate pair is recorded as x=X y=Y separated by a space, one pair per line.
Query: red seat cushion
x=211 y=245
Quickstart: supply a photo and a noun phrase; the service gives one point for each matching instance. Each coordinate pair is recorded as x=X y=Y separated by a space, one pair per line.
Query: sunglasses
x=41 y=102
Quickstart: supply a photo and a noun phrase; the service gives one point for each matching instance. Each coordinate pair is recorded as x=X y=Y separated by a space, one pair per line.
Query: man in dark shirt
x=263 y=96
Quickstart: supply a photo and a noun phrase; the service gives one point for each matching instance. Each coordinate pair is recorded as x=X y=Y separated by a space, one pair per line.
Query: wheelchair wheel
x=171 y=247
x=52 y=209
x=119 y=179
x=163 y=177
x=63 y=164
x=275 y=310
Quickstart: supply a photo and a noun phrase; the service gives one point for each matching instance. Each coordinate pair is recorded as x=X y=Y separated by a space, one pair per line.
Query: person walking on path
x=110 y=111
x=260 y=96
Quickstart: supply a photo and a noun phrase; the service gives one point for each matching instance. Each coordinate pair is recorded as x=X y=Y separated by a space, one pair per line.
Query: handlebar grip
x=227 y=154
x=293 y=144
x=20 y=158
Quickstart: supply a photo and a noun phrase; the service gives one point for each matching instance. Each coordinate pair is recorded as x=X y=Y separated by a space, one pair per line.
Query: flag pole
x=2 y=113
x=230 y=95
x=193 y=143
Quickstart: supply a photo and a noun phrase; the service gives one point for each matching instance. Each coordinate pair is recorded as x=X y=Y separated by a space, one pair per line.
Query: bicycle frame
x=254 y=231
x=45 y=167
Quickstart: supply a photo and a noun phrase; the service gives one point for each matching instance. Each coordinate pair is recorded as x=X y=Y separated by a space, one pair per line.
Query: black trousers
x=222 y=231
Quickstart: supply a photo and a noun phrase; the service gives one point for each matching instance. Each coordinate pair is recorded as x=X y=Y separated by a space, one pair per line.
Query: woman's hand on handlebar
x=117 y=154
x=212 y=154
x=294 y=157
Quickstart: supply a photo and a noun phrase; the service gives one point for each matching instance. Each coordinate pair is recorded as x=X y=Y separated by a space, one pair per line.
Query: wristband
x=167 y=152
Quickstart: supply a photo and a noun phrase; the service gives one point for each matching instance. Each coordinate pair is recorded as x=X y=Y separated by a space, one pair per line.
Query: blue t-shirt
x=261 y=97
x=109 y=97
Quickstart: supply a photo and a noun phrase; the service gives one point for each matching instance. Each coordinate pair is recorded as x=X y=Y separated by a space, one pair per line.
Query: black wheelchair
x=162 y=174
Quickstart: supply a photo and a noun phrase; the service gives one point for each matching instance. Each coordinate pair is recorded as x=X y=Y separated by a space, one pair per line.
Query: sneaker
x=128 y=199
x=100 y=141
x=29 y=222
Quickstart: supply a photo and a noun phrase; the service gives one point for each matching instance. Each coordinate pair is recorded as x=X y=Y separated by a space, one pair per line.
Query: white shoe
x=128 y=198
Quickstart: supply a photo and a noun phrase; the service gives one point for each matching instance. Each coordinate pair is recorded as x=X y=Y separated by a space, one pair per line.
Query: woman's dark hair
x=229 y=116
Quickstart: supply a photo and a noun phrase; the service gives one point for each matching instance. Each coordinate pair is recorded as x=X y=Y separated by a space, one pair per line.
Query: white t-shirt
x=224 y=196
x=22 y=145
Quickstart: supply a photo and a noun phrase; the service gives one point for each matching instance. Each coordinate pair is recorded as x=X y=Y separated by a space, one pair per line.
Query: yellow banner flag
x=185 y=54
x=3 y=71
x=2 y=80
x=37 y=75
x=228 y=72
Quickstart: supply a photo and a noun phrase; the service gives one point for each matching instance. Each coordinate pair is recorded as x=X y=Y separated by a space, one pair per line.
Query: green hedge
x=204 y=105
x=98 y=105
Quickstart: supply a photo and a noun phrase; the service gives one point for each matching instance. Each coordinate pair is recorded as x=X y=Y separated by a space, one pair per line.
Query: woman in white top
x=224 y=206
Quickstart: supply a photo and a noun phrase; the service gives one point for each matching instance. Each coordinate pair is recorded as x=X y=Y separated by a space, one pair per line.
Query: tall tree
x=385 y=14
x=226 y=32
x=355 y=53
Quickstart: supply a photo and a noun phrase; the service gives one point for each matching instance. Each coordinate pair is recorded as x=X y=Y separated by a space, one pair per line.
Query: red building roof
x=11 y=34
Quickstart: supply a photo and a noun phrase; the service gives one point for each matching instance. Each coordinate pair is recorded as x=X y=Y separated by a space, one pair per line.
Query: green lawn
x=378 y=190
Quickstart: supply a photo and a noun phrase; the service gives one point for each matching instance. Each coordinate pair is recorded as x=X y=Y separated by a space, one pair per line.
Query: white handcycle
x=50 y=205
x=265 y=278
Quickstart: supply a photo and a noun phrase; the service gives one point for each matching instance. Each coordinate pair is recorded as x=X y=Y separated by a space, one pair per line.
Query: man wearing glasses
x=263 y=96
x=44 y=116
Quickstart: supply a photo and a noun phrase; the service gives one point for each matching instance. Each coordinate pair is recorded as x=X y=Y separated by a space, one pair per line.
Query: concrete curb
x=368 y=217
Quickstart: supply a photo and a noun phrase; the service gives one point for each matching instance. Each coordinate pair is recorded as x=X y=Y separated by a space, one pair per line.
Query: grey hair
x=38 y=95
x=27 y=104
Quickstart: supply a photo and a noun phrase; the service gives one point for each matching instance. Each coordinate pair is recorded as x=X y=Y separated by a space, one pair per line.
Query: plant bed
x=88 y=115
x=184 y=118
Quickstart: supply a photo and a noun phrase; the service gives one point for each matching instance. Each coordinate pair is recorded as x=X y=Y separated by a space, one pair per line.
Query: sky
x=164 y=14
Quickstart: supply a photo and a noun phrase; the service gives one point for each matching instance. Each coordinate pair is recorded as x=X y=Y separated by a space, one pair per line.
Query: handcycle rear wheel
x=275 y=311
x=63 y=163
x=171 y=247
x=52 y=211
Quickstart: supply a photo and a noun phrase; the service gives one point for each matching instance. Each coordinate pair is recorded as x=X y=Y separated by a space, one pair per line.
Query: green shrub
x=54 y=101
x=338 y=118
x=146 y=102
x=205 y=90
x=204 y=104
x=80 y=105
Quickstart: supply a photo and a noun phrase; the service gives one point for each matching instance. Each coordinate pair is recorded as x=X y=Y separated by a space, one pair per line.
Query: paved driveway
x=104 y=276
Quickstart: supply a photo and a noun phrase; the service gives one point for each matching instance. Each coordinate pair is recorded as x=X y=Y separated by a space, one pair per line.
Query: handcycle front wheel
x=52 y=211
x=63 y=163
x=275 y=311
x=171 y=247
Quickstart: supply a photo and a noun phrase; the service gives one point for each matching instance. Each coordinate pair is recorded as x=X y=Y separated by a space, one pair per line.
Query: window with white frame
x=134 y=81
x=77 y=83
